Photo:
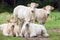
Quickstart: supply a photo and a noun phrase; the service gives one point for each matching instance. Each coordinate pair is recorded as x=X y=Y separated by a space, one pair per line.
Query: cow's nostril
x=47 y=14
x=32 y=11
x=12 y=25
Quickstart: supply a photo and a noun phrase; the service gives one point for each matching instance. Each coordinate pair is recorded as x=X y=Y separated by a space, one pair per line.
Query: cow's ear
x=28 y=5
x=37 y=4
x=44 y=8
x=52 y=8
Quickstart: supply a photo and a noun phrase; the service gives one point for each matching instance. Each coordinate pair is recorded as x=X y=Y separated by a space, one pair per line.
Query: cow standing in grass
x=41 y=14
x=24 y=13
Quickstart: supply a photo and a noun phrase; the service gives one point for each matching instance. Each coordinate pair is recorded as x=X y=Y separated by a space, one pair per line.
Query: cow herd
x=23 y=21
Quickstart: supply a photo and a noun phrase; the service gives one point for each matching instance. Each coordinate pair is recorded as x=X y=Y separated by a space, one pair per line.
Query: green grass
x=53 y=22
x=54 y=36
x=4 y=17
x=9 y=38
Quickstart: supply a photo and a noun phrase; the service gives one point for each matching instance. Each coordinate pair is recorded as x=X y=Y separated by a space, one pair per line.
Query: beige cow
x=41 y=14
x=48 y=9
x=15 y=26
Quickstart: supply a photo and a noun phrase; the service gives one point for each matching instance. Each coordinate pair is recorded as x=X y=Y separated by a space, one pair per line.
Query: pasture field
x=52 y=25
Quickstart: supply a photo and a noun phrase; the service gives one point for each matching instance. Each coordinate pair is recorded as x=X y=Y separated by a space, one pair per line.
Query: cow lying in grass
x=11 y=28
x=28 y=29
x=31 y=29
x=6 y=29
x=16 y=27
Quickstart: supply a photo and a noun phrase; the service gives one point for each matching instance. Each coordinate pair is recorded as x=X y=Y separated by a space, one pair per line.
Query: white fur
x=16 y=30
x=33 y=5
x=23 y=12
x=48 y=9
x=40 y=15
x=5 y=29
x=34 y=29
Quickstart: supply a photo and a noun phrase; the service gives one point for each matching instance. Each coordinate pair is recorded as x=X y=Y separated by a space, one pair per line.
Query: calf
x=6 y=29
x=42 y=14
x=48 y=9
x=11 y=28
x=32 y=29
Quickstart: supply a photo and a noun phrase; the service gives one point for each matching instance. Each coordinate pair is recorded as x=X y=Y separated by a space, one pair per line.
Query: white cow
x=48 y=9
x=11 y=28
x=6 y=29
x=15 y=26
x=42 y=14
x=24 y=12
x=31 y=29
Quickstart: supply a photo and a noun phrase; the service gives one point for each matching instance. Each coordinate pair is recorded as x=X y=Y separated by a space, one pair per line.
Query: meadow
x=52 y=25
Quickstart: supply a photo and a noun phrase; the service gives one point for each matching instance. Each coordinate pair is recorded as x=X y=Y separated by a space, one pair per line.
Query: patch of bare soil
x=54 y=30
x=36 y=38
x=43 y=38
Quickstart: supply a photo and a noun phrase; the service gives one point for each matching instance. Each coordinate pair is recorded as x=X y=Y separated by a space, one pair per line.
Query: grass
x=4 y=17
x=54 y=36
x=9 y=38
x=53 y=22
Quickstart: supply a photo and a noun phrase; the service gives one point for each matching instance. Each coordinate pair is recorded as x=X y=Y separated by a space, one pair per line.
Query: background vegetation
x=8 y=5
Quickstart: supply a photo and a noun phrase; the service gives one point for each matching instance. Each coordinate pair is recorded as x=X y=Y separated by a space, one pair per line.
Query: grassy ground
x=9 y=38
x=53 y=22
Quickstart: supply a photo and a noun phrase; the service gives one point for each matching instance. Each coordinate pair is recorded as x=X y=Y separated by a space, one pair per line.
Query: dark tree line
x=13 y=3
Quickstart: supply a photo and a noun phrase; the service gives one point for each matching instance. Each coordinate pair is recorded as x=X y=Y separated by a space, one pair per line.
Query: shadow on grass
x=2 y=37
